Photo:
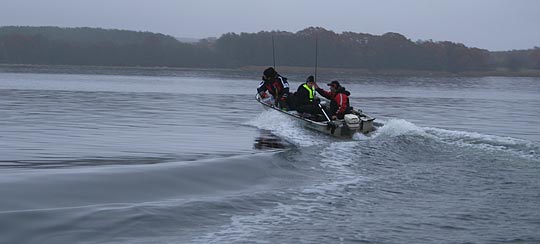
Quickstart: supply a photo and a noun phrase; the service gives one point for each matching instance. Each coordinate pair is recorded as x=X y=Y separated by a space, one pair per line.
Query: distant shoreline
x=389 y=54
x=30 y=68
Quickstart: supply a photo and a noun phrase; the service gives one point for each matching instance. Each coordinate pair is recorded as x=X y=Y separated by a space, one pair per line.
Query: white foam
x=516 y=146
x=339 y=154
x=246 y=228
x=285 y=127
x=361 y=137
x=339 y=159
x=398 y=127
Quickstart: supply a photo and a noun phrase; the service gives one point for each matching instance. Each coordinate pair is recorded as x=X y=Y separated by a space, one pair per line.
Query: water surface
x=142 y=156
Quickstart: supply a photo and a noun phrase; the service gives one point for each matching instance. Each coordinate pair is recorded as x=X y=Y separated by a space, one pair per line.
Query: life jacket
x=311 y=92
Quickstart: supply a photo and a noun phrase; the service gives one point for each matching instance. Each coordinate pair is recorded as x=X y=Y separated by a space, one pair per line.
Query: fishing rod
x=316 y=54
x=274 y=66
x=273 y=53
x=330 y=123
x=273 y=58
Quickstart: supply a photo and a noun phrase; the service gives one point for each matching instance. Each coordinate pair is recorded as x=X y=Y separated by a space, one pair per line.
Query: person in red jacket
x=277 y=86
x=339 y=99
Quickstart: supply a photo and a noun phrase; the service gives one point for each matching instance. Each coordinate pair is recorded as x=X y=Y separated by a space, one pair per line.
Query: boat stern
x=366 y=124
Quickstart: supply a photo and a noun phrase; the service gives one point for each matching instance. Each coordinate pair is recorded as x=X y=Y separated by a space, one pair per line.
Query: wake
x=518 y=147
x=290 y=130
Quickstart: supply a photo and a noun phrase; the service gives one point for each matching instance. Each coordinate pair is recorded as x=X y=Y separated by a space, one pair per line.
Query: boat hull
x=336 y=128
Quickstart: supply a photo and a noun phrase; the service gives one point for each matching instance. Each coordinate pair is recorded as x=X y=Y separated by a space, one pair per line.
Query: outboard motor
x=366 y=121
x=352 y=121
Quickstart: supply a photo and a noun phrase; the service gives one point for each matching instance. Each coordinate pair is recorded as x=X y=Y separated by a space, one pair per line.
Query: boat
x=355 y=122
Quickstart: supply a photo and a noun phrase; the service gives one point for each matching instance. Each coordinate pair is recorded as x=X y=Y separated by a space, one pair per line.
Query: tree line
x=103 y=47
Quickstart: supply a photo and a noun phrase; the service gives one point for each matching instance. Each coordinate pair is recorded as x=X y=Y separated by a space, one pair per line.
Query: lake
x=188 y=156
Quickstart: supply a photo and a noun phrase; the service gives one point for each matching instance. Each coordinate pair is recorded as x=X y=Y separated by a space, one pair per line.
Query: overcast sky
x=489 y=24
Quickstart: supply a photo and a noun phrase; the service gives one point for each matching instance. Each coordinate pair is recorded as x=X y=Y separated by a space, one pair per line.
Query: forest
x=390 y=51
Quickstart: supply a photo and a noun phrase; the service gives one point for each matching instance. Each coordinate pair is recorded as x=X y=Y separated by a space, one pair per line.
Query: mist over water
x=190 y=157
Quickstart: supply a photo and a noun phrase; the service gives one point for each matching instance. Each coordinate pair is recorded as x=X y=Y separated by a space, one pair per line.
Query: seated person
x=305 y=99
x=339 y=99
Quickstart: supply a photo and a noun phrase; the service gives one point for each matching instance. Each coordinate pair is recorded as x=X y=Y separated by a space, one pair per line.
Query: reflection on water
x=268 y=141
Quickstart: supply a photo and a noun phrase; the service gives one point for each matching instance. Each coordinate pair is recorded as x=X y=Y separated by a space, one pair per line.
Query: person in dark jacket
x=339 y=99
x=305 y=99
x=276 y=85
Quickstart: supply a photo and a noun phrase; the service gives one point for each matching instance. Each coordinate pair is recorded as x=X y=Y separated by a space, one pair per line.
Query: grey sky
x=489 y=24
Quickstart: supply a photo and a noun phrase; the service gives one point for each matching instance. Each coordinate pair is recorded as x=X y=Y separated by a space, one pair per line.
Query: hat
x=269 y=72
x=334 y=83
x=310 y=79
